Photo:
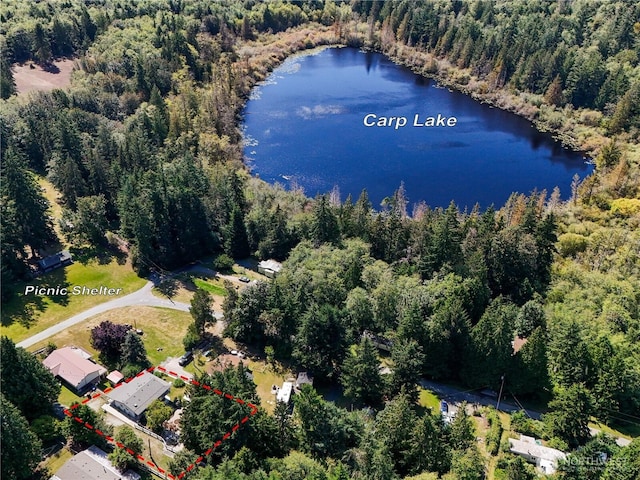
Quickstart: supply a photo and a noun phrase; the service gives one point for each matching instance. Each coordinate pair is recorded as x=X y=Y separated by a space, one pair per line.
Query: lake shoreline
x=449 y=76
x=371 y=107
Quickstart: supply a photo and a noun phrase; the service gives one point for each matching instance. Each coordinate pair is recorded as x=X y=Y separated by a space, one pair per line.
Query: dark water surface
x=304 y=126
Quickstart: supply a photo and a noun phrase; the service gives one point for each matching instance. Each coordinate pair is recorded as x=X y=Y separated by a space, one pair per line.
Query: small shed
x=58 y=260
x=303 y=379
x=378 y=341
x=115 y=377
x=517 y=344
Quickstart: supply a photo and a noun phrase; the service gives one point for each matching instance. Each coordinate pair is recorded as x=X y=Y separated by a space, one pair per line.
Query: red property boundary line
x=148 y=463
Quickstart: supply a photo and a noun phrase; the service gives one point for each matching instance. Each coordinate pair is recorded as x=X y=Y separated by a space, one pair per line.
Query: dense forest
x=145 y=150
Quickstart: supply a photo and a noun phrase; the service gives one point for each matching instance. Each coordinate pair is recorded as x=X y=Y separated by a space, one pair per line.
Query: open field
x=24 y=316
x=163 y=328
x=31 y=77
x=182 y=288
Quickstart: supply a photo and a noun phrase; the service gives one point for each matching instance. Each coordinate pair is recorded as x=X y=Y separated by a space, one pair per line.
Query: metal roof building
x=134 y=397
x=92 y=464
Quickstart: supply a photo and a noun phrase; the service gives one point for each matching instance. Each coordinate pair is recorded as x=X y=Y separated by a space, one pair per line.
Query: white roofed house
x=73 y=365
x=134 y=397
x=544 y=458
x=269 y=268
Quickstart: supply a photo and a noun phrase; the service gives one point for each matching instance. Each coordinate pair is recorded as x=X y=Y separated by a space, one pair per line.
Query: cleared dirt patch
x=31 y=77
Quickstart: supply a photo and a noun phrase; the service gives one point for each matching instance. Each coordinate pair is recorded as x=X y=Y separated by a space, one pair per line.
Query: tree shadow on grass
x=168 y=287
x=26 y=303
x=101 y=254
x=50 y=67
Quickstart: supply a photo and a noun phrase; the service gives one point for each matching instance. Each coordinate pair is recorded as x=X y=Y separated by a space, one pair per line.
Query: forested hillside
x=145 y=149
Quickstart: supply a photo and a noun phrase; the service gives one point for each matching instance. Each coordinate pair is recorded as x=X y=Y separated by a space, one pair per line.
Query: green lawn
x=264 y=377
x=24 y=316
x=628 y=431
x=211 y=287
x=55 y=461
x=428 y=400
x=67 y=397
x=163 y=328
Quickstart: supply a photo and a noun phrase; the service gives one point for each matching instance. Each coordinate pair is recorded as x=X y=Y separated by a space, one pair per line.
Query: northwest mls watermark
x=60 y=291
x=595 y=462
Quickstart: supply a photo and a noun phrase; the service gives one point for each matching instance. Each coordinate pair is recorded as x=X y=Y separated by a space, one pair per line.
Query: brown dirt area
x=30 y=79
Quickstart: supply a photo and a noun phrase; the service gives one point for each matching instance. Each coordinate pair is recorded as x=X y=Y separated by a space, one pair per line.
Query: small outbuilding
x=269 y=268
x=378 y=341
x=52 y=262
x=115 y=377
x=303 y=379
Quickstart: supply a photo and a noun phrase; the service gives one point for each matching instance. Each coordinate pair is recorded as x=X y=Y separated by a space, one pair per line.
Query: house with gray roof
x=134 y=397
x=92 y=464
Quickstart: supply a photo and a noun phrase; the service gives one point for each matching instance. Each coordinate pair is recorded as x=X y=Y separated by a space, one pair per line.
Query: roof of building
x=284 y=394
x=72 y=364
x=92 y=464
x=140 y=392
x=270 y=265
x=303 y=377
x=55 y=260
x=115 y=377
x=528 y=446
x=518 y=343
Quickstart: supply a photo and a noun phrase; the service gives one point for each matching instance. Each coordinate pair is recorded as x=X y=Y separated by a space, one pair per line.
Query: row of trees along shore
x=145 y=146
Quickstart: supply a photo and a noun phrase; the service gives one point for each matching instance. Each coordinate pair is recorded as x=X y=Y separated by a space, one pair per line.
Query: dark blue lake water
x=306 y=126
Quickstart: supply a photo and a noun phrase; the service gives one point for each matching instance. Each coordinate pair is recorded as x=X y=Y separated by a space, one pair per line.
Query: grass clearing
x=68 y=397
x=264 y=377
x=629 y=431
x=428 y=399
x=210 y=287
x=54 y=462
x=30 y=77
x=163 y=328
x=52 y=195
x=180 y=294
x=152 y=449
x=24 y=316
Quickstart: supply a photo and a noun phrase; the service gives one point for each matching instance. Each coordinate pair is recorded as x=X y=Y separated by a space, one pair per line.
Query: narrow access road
x=453 y=394
x=139 y=298
x=456 y=396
